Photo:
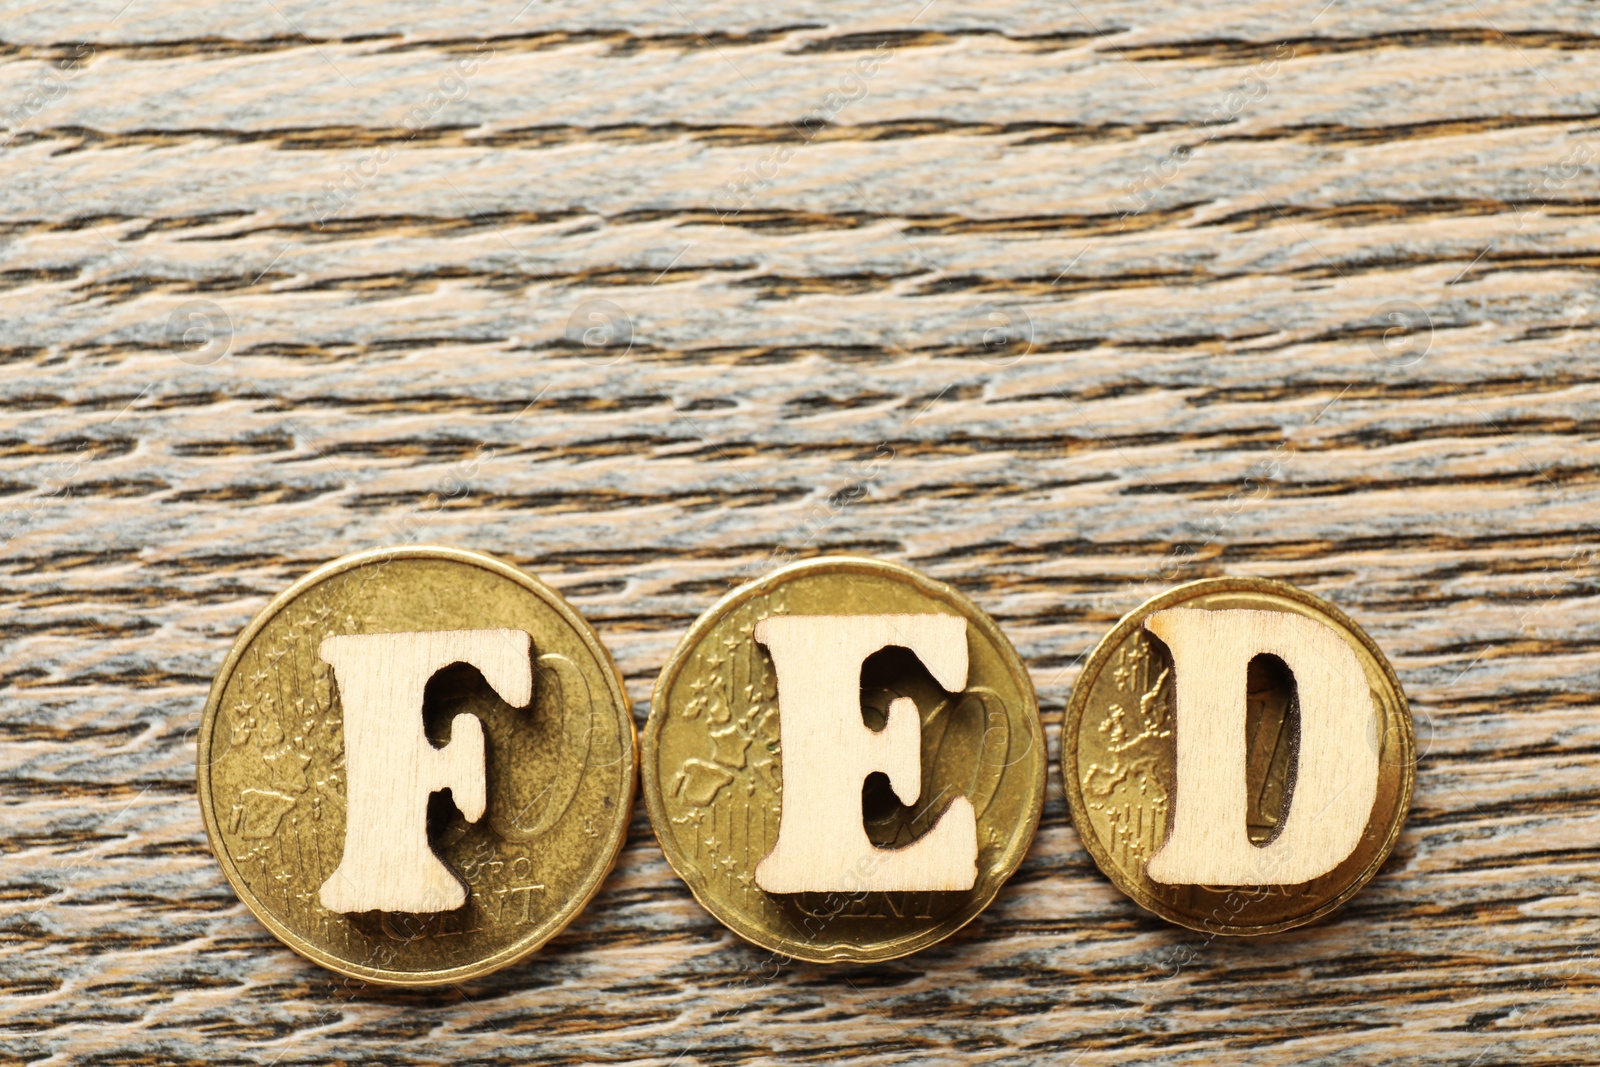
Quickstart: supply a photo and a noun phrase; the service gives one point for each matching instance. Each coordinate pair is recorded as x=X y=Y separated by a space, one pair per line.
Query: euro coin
x=714 y=775
x=555 y=777
x=1119 y=752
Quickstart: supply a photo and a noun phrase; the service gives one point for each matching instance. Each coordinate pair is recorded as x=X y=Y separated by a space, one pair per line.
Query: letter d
x=1335 y=777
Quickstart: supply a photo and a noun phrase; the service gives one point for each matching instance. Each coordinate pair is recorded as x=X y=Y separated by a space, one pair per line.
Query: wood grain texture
x=1268 y=290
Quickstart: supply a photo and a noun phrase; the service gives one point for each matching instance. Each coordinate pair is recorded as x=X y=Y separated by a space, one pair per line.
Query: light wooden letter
x=391 y=767
x=1335 y=776
x=828 y=751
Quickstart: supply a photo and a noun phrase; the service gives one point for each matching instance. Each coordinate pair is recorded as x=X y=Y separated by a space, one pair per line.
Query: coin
x=1118 y=762
x=713 y=762
x=559 y=773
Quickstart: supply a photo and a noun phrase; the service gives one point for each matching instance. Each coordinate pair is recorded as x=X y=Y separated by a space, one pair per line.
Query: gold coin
x=559 y=774
x=713 y=762
x=1118 y=755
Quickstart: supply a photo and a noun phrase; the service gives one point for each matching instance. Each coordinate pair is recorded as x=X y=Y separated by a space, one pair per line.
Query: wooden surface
x=1194 y=221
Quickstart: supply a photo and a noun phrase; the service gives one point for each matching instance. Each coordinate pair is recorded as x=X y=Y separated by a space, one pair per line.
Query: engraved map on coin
x=1126 y=788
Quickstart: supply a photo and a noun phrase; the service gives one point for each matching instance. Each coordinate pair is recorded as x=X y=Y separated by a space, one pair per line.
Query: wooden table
x=1268 y=289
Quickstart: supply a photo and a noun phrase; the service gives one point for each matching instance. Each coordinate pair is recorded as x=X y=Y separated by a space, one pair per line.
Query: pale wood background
x=1442 y=154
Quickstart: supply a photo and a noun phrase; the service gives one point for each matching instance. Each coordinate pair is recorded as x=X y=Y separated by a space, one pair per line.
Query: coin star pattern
x=946 y=743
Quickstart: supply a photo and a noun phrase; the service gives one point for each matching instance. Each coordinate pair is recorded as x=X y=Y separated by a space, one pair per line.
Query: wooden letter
x=828 y=751
x=391 y=767
x=1335 y=778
